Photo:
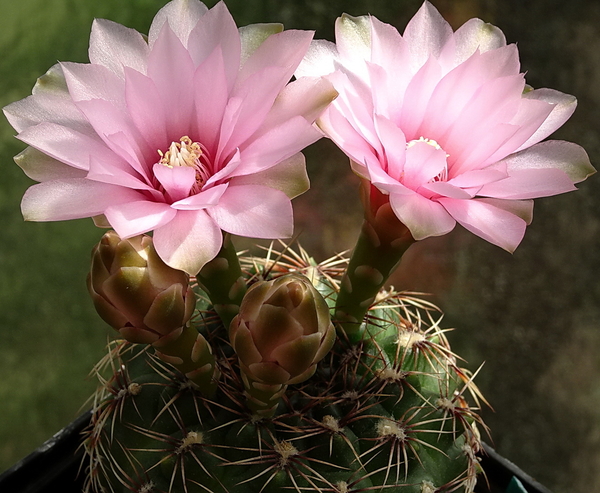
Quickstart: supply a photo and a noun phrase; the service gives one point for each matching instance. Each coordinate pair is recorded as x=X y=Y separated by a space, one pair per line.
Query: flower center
x=431 y=142
x=443 y=175
x=188 y=153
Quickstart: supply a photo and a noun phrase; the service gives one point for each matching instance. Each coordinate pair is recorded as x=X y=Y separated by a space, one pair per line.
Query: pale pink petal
x=353 y=39
x=65 y=144
x=423 y=217
x=529 y=184
x=319 y=59
x=565 y=156
x=181 y=15
x=226 y=171
x=188 y=241
x=139 y=216
x=378 y=177
x=119 y=173
x=276 y=145
x=356 y=103
x=210 y=99
x=116 y=46
x=145 y=108
x=289 y=176
x=256 y=95
x=424 y=162
x=471 y=157
x=41 y=167
x=64 y=199
x=308 y=96
x=445 y=189
x=426 y=35
x=417 y=96
x=171 y=68
x=346 y=137
x=471 y=81
x=498 y=226
x=255 y=211
x=479 y=177
x=477 y=35
x=119 y=133
x=394 y=143
x=177 y=181
x=87 y=82
x=217 y=30
x=530 y=116
x=564 y=106
x=496 y=102
x=284 y=50
x=201 y=200
x=50 y=102
x=253 y=35
x=520 y=208
x=389 y=49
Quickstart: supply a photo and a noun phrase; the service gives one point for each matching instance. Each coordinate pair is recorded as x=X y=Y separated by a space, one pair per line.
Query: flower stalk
x=382 y=242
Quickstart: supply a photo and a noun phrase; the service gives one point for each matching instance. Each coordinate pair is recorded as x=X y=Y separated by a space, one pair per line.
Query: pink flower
x=443 y=124
x=189 y=132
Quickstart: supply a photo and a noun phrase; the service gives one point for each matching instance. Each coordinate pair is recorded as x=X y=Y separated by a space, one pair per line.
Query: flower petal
x=276 y=145
x=564 y=106
x=145 y=108
x=74 y=198
x=289 y=176
x=255 y=211
x=486 y=220
x=217 y=30
x=139 y=216
x=319 y=59
x=41 y=167
x=477 y=35
x=426 y=34
x=253 y=35
x=566 y=156
x=115 y=47
x=171 y=68
x=65 y=144
x=177 y=181
x=181 y=15
x=423 y=217
x=202 y=200
x=50 y=102
x=353 y=39
x=188 y=241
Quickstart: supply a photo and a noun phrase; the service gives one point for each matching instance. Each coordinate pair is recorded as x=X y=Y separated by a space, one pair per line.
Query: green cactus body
x=387 y=414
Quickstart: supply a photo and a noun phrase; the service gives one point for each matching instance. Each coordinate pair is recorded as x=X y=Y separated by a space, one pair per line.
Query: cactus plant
x=388 y=413
x=278 y=373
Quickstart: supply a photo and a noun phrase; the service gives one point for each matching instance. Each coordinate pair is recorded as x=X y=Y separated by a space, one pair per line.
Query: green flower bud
x=135 y=292
x=282 y=331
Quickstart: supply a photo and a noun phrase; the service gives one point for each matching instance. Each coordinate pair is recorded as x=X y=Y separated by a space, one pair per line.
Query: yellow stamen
x=187 y=153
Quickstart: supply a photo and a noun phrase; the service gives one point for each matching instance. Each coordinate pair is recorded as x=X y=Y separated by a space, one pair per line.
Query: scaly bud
x=149 y=302
x=135 y=292
x=282 y=331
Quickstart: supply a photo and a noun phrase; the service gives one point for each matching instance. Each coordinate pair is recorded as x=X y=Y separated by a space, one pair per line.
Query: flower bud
x=282 y=331
x=135 y=292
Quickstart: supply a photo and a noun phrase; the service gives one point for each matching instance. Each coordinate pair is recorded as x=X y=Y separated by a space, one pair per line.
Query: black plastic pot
x=55 y=466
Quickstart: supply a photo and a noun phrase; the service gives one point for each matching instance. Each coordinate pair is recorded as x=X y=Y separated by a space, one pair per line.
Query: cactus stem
x=222 y=280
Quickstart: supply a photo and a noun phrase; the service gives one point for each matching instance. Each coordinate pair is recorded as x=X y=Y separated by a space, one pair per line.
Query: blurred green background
x=533 y=317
